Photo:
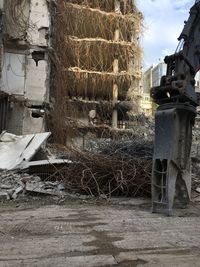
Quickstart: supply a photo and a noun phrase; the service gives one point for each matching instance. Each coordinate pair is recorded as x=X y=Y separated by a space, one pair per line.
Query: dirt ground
x=57 y=232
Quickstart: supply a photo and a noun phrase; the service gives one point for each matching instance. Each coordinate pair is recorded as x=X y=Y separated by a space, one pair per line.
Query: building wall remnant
x=25 y=63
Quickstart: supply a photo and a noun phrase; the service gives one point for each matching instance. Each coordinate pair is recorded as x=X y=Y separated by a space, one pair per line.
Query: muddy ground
x=49 y=231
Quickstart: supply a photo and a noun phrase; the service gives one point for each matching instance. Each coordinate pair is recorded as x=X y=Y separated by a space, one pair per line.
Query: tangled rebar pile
x=119 y=168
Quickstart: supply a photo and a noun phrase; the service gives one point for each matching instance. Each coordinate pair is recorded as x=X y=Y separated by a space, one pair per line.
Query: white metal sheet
x=35 y=144
x=16 y=149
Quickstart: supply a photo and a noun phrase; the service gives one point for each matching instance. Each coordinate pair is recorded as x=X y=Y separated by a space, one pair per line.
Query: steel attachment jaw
x=171 y=175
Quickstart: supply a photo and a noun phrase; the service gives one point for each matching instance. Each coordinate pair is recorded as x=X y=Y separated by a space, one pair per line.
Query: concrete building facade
x=151 y=78
x=100 y=71
x=24 y=90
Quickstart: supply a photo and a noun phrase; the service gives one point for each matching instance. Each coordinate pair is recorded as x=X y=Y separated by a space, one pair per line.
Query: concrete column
x=116 y=70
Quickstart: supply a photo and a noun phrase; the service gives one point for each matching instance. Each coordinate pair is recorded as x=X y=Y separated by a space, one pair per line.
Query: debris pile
x=15 y=159
x=109 y=167
x=13 y=184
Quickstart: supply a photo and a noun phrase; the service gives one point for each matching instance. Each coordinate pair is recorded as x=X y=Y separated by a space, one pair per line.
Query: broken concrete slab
x=17 y=191
x=14 y=150
x=48 y=188
x=13 y=184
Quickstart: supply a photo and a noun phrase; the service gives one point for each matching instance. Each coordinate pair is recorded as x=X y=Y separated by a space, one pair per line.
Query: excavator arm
x=179 y=82
x=174 y=120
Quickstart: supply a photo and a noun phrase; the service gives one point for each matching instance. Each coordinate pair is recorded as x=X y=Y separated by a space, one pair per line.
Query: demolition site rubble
x=13 y=184
x=107 y=168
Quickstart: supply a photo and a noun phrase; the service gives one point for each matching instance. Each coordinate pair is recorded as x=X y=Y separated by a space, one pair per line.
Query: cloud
x=164 y=21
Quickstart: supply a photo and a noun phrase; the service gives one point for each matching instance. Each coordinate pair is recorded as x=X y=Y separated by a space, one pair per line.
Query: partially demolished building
x=99 y=57
x=72 y=66
x=24 y=41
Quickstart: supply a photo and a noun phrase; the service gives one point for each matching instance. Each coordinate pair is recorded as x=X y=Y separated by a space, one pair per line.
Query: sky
x=164 y=21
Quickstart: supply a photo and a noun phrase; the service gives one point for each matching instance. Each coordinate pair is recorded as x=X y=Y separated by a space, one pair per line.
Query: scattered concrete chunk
x=13 y=184
x=198 y=190
x=17 y=191
x=4 y=186
x=4 y=196
x=49 y=188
